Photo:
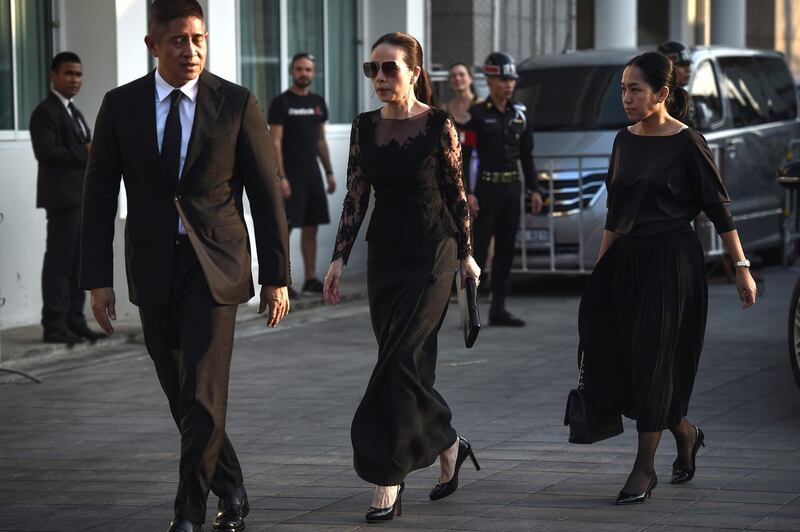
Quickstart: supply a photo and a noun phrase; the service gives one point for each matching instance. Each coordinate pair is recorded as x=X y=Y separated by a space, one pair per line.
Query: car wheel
x=794 y=332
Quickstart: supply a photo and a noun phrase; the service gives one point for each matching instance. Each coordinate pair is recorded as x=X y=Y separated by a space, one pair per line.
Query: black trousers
x=498 y=218
x=190 y=341
x=62 y=297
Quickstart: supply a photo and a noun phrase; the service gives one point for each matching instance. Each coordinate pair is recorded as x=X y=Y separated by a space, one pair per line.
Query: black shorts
x=307 y=206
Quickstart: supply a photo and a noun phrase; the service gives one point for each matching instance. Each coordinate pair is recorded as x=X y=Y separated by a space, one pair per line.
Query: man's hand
x=536 y=203
x=331 y=183
x=472 y=201
x=286 y=188
x=277 y=299
x=102 y=301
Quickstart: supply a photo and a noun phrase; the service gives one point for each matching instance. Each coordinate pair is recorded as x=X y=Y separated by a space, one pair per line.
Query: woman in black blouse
x=643 y=314
x=419 y=236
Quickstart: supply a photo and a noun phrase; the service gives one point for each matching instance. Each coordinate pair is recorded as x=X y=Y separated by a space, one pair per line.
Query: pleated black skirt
x=641 y=322
x=402 y=423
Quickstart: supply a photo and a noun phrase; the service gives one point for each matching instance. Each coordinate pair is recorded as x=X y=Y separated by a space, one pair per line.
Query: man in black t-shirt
x=297 y=121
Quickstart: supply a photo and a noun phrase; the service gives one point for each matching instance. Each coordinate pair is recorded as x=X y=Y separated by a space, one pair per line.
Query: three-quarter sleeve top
x=658 y=183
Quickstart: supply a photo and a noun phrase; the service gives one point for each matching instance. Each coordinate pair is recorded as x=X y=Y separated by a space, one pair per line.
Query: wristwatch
x=742 y=263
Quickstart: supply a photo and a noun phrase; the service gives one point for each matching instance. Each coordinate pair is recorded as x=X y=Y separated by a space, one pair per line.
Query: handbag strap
x=580 y=366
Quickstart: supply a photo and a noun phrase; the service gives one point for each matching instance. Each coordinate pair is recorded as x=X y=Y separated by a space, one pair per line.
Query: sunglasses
x=390 y=69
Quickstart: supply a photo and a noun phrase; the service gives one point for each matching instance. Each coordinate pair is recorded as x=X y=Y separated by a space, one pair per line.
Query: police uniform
x=502 y=140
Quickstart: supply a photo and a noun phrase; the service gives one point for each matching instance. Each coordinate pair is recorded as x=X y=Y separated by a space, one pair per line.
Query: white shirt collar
x=62 y=99
x=164 y=89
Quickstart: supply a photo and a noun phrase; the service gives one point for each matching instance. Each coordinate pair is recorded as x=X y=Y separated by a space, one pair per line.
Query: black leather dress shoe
x=679 y=476
x=184 y=525
x=637 y=498
x=443 y=489
x=87 y=334
x=61 y=337
x=503 y=318
x=231 y=512
x=376 y=515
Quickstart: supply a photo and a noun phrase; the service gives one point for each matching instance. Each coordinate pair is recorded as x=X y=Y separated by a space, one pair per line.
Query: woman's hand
x=469 y=268
x=746 y=287
x=330 y=290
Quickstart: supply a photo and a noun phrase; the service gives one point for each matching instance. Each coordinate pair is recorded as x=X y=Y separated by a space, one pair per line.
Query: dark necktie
x=76 y=119
x=171 y=143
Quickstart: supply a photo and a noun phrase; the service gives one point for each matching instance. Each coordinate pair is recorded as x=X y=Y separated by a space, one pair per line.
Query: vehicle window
x=744 y=91
x=705 y=94
x=779 y=88
x=573 y=98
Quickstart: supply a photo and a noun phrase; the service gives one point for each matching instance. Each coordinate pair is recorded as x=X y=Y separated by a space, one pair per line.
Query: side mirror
x=702 y=116
x=789 y=175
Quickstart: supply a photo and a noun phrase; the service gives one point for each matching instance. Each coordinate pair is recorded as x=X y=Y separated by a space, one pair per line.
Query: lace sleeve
x=454 y=192
x=355 y=202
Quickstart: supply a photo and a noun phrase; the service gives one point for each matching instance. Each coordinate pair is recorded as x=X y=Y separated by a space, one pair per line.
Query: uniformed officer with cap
x=681 y=57
x=504 y=138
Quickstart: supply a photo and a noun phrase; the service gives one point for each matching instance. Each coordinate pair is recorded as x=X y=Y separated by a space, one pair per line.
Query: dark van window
x=573 y=98
x=744 y=91
x=705 y=95
x=779 y=87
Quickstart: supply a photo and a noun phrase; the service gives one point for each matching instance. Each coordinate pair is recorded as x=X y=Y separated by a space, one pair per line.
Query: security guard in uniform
x=681 y=57
x=504 y=138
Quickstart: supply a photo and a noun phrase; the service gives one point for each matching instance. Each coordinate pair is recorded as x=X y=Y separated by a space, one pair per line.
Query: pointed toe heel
x=443 y=489
x=637 y=498
x=679 y=476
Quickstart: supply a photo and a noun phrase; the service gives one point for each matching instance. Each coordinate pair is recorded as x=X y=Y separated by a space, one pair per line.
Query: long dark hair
x=471 y=76
x=658 y=71
x=412 y=53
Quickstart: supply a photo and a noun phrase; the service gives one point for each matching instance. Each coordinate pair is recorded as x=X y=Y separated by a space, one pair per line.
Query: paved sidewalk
x=94 y=446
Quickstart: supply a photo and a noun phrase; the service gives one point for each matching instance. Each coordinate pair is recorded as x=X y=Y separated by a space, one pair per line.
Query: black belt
x=511 y=176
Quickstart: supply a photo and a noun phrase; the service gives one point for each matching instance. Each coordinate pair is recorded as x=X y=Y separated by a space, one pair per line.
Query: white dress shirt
x=66 y=102
x=187 y=108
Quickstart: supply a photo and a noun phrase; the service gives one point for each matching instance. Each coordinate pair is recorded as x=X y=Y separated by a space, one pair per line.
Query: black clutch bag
x=468 y=305
x=588 y=423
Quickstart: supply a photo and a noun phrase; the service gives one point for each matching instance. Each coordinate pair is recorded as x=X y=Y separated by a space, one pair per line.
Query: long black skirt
x=641 y=322
x=402 y=423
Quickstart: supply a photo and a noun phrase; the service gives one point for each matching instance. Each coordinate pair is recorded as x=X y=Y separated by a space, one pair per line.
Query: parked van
x=745 y=106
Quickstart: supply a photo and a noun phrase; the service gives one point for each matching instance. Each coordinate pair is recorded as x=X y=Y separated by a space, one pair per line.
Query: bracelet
x=742 y=264
x=328 y=172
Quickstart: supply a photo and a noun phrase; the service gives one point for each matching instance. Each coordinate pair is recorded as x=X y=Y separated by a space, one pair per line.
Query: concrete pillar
x=222 y=56
x=680 y=28
x=615 y=24
x=728 y=19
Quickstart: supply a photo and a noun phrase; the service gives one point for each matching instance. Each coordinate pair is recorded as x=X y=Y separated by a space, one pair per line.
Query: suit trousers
x=190 y=341
x=62 y=297
x=498 y=218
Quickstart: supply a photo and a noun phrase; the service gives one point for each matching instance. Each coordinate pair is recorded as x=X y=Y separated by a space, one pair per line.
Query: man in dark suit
x=61 y=142
x=187 y=145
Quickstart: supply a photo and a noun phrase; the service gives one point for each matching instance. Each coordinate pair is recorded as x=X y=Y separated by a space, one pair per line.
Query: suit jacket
x=61 y=151
x=229 y=152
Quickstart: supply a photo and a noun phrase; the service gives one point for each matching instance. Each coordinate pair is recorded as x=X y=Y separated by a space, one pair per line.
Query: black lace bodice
x=414 y=167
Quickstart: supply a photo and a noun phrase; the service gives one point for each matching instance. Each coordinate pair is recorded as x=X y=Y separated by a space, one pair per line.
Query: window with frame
x=272 y=31
x=705 y=94
x=25 y=52
x=779 y=88
x=744 y=91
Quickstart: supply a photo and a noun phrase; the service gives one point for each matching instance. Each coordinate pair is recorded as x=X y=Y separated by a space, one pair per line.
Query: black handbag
x=588 y=422
x=468 y=305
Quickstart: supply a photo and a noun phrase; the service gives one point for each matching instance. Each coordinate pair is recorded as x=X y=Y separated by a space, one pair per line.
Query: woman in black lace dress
x=419 y=236
x=643 y=314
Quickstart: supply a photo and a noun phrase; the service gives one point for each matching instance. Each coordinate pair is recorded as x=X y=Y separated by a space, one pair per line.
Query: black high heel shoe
x=679 y=476
x=376 y=515
x=637 y=498
x=442 y=490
